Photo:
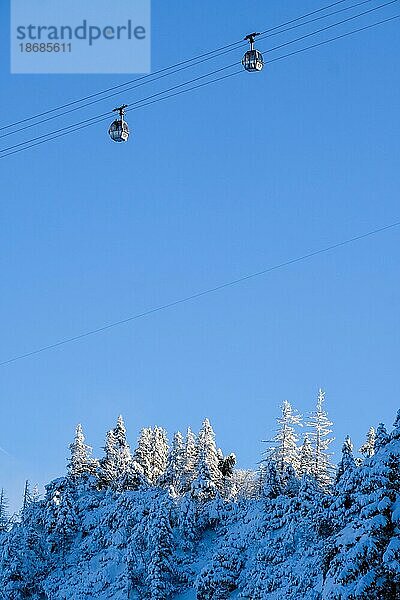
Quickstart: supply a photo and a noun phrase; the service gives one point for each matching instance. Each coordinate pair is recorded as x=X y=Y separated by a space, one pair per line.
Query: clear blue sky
x=212 y=185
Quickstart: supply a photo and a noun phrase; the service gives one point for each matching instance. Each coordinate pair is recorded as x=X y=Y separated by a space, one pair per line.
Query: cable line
x=310 y=14
x=330 y=14
x=231 y=46
x=202 y=293
x=307 y=35
x=337 y=37
x=167 y=74
x=99 y=118
x=110 y=112
x=44 y=113
x=105 y=116
x=137 y=85
x=76 y=108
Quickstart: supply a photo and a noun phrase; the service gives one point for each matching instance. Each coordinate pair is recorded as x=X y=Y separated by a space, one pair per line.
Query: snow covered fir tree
x=179 y=520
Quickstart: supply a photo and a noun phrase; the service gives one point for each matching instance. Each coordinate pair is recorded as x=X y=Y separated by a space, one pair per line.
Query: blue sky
x=212 y=185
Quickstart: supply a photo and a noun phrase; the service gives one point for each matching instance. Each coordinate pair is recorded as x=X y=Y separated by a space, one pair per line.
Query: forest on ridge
x=180 y=520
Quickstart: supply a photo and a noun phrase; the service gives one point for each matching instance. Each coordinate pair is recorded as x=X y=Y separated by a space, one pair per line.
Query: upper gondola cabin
x=253 y=59
x=119 y=130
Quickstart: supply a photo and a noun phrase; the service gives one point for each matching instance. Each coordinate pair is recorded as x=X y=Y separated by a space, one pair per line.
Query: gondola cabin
x=253 y=59
x=119 y=130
